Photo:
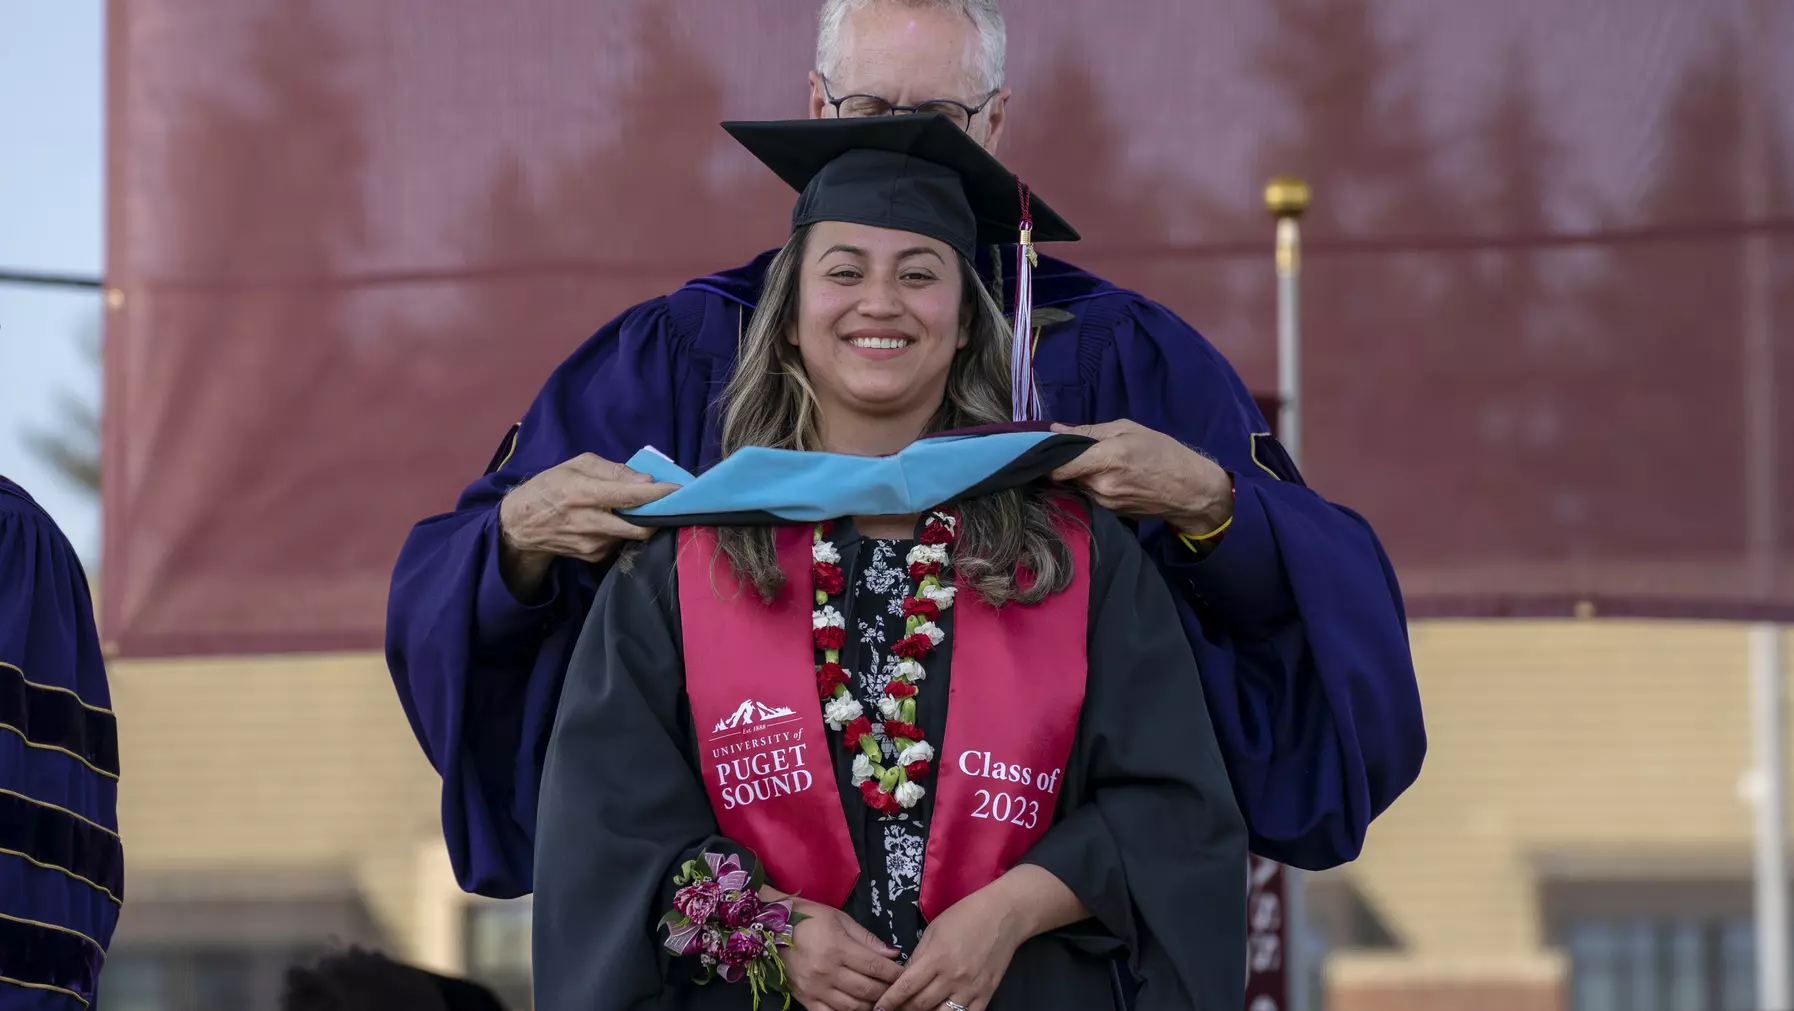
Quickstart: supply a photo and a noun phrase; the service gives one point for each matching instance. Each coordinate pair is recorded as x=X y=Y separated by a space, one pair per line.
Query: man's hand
x=834 y=963
x=566 y=512
x=1135 y=471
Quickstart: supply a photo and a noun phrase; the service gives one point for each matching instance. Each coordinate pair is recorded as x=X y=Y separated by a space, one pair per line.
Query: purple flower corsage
x=718 y=916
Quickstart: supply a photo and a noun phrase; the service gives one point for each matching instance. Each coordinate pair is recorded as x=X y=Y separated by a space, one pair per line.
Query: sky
x=51 y=221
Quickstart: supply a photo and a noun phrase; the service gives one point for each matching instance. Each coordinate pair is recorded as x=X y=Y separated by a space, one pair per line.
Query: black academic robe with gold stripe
x=61 y=862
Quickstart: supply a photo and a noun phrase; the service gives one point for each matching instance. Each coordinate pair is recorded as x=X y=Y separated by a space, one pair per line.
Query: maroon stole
x=1012 y=713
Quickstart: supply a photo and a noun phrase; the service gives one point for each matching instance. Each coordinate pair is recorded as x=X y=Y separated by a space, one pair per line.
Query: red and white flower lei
x=887 y=789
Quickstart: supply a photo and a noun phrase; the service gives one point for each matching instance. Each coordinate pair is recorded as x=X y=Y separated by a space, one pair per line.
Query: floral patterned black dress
x=890 y=884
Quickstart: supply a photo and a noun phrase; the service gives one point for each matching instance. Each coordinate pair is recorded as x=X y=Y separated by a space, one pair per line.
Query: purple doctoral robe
x=1295 y=620
x=61 y=863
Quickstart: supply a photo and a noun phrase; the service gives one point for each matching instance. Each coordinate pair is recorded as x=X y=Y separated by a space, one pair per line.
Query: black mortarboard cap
x=915 y=173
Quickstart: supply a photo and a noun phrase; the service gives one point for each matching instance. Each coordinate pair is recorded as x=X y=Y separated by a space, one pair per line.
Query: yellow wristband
x=1192 y=542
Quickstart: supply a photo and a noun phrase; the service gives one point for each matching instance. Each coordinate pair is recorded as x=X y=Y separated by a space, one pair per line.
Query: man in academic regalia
x=1288 y=602
x=61 y=865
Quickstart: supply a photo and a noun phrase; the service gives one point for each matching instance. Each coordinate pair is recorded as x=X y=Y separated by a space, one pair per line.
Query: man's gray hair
x=984 y=15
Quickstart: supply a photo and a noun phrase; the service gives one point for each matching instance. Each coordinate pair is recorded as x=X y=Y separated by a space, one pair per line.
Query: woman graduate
x=887 y=722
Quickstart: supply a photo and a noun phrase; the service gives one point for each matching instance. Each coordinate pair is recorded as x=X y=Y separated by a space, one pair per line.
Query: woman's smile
x=879 y=344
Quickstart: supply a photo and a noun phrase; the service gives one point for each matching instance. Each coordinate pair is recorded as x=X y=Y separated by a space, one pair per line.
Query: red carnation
x=881 y=801
x=851 y=734
x=827 y=577
x=907 y=731
x=917 y=771
x=877 y=799
x=921 y=607
x=936 y=532
x=900 y=689
x=831 y=637
x=919 y=571
x=828 y=677
x=912 y=647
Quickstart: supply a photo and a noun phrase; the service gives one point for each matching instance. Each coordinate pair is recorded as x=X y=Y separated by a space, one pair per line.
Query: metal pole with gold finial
x=1762 y=515
x=1276 y=955
x=1286 y=197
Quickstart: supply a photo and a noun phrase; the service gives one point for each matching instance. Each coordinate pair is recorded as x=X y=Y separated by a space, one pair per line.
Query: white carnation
x=824 y=551
x=908 y=794
x=888 y=707
x=932 y=631
x=842 y=710
x=911 y=671
x=827 y=617
x=925 y=553
x=920 y=751
x=862 y=768
x=941 y=595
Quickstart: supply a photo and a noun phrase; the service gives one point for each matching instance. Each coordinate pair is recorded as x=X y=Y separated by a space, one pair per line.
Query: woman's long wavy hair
x=770 y=402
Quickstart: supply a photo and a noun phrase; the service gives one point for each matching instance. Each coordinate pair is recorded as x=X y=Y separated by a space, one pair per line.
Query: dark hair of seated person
x=360 y=980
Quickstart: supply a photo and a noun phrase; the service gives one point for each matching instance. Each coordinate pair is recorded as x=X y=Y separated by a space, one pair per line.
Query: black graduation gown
x=1147 y=831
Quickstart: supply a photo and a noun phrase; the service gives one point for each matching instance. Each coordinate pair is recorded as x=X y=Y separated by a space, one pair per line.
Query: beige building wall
x=1590 y=737
x=266 y=770
x=1612 y=746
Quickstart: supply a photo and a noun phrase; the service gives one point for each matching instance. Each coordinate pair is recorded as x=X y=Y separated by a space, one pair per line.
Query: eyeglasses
x=860 y=106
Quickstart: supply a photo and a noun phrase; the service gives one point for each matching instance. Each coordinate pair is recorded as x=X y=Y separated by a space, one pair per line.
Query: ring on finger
x=953 y=1005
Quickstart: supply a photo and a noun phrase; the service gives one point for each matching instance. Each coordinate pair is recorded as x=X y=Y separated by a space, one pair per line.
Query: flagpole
x=1770 y=788
x=1287 y=199
x=1762 y=515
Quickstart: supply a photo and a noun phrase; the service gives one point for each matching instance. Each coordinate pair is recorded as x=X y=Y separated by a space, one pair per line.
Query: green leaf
x=671 y=919
x=908 y=709
x=757 y=879
x=770 y=961
x=797 y=918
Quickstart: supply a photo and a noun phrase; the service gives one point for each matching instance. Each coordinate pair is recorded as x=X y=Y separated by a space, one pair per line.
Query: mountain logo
x=750 y=712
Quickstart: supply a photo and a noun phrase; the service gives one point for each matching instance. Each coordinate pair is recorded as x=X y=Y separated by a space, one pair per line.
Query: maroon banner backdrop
x=1548 y=299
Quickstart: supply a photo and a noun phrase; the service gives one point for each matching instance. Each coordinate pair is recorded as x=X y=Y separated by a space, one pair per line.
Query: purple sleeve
x=61 y=860
x=1296 y=618
x=478 y=671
